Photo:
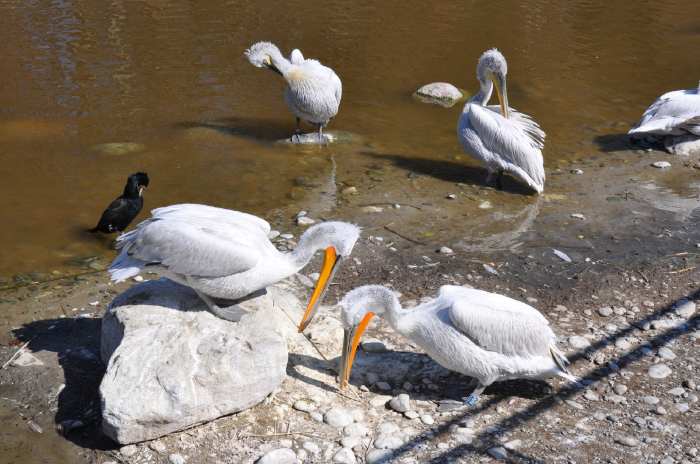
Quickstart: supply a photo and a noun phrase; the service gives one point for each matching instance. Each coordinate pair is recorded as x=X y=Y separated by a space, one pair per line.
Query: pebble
x=605 y=311
x=463 y=436
x=317 y=416
x=685 y=308
x=379 y=401
x=410 y=414
x=682 y=407
x=660 y=410
x=287 y=236
x=337 y=417
x=451 y=196
x=689 y=384
x=355 y=430
x=579 y=342
x=128 y=450
x=578 y=216
x=666 y=353
x=627 y=441
x=678 y=391
x=344 y=456
x=427 y=419
x=442 y=93
x=377 y=456
x=304 y=406
x=386 y=441
x=350 y=442
x=667 y=460
x=179 y=459
x=311 y=447
x=445 y=250
x=661 y=164
x=279 y=456
x=620 y=389
x=485 y=205
x=372 y=345
x=305 y=221
x=659 y=371
x=513 y=445
x=590 y=395
x=573 y=404
x=371 y=209
x=137 y=278
x=623 y=344
x=273 y=234
x=498 y=452
x=578 y=172
x=400 y=403
x=349 y=191
x=157 y=446
x=387 y=428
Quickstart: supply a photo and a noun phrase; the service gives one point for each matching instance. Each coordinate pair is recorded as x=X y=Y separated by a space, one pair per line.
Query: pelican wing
x=673 y=113
x=514 y=143
x=191 y=210
x=195 y=247
x=500 y=324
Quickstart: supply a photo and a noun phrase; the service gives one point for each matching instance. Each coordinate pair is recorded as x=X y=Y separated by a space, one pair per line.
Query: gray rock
x=620 y=389
x=387 y=428
x=304 y=405
x=317 y=416
x=667 y=460
x=311 y=447
x=463 y=436
x=605 y=311
x=344 y=456
x=400 y=403
x=158 y=446
x=355 y=430
x=659 y=371
x=279 y=456
x=350 y=442
x=678 y=391
x=445 y=250
x=153 y=386
x=379 y=456
x=579 y=342
x=651 y=400
x=627 y=441
x=666 y=353
x=305 y=221
x=372 y=345
x=411 y=414
x=498 y=452
x=128 y=450
x=25 y=359
x=384 y=386
x=661 y=164
x=682 y=407
x=513 y=445
x=427 y=419
x=176 y=459
x=439 y=93
x=590 y=395
x=337 y=417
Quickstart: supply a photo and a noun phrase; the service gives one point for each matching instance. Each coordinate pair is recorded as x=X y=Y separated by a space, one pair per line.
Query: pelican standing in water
x=225 y=254
x=505 y=141
x=313 y=90
x=483 y=335
x=674 y=120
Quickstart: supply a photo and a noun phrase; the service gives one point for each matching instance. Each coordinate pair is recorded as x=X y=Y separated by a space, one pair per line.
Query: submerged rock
x=171 y=364
x=311 y=138
x=439 y=93
x=118 y=148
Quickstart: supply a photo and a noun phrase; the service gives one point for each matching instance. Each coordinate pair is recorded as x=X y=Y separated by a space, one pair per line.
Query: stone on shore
x=171 y=364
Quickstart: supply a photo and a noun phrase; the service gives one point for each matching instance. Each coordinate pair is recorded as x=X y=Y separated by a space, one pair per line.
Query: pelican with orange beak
x=501 y=138
x=483 y=335
x=226 y=255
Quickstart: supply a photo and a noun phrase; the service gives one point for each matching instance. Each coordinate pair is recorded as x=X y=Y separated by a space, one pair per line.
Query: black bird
x=125 y=208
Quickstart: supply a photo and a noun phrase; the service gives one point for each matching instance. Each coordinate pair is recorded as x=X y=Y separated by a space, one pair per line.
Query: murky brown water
x=171 y=76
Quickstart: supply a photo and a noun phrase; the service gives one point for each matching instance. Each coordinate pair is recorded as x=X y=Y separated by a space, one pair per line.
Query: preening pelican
x=505 y=141
x=226 y=254
x=674 y=119
x=483 y=335
x=313 y=90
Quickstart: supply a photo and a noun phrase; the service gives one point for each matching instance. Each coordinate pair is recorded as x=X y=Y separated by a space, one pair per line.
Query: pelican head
x=265 y=55
x=338 y=240
x=493 y=68
x=357 y=309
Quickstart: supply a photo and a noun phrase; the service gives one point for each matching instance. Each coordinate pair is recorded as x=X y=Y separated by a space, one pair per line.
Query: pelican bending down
x=505 y=141
x=674 y=119
x=313 y=90
x=226 y=254
x=483 y=335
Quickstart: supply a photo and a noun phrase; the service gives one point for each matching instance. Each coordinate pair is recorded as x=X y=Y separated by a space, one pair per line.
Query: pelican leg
x=473 y=398
x=320 y=133
x=230 y=313
x=296 y=137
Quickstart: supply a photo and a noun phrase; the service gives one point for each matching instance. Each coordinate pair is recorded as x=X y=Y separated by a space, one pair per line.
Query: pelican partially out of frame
x=501 y=138
x=225 y=254
x=483 y=335
x=674 y=120
x=313 y=90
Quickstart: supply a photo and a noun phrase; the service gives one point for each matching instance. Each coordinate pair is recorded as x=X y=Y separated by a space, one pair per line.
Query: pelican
x=505 y=141
x=674 y=119
x=225 y=254
x=313 y=90
x=483 y=335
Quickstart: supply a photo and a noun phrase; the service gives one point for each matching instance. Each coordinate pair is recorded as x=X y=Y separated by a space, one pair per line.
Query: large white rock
x=171 y=364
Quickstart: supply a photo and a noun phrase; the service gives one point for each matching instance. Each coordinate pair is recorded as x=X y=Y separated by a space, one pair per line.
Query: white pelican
x=508 y=141
x=313 y=90
x=483 y=335
x=674 y=119
x=226 y=254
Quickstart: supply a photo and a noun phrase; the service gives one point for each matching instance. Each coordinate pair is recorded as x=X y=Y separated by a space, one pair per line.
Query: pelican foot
x=471 y=400
x=296 y=138
x=234 y=312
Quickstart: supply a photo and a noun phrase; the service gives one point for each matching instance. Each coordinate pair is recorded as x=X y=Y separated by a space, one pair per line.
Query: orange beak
x=351 y=340
x=330 y=265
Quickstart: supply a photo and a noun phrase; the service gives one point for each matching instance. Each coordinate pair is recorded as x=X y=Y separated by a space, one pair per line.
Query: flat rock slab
x=171 y=364
x=439 y=93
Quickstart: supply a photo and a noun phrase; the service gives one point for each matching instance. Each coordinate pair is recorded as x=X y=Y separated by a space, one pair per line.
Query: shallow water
x=171 y=77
